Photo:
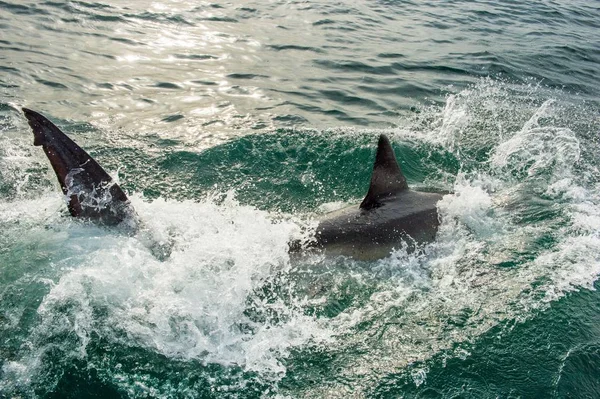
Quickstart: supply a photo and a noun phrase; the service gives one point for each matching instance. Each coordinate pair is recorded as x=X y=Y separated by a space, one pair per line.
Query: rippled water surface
x=233 y=126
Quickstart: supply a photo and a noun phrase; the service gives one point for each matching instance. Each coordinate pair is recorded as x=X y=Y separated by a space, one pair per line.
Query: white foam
x=191 y=306
x=486 y=266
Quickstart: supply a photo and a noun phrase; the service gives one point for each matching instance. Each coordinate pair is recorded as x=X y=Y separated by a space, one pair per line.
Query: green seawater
x=233 y=126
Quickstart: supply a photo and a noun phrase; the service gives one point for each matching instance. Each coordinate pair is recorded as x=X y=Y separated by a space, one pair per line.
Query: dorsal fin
x=387 y=178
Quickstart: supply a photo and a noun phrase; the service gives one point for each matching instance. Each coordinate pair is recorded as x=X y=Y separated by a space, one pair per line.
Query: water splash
x=227 y=307
x=518 y=232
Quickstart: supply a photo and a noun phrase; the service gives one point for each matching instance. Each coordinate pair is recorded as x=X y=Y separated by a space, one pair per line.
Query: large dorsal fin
x=387 y=178
x=91 y=191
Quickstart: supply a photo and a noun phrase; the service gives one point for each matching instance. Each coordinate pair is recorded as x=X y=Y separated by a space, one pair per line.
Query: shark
x=389 y=216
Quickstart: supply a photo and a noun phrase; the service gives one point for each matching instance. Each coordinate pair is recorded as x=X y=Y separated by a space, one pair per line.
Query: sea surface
x=233 y=126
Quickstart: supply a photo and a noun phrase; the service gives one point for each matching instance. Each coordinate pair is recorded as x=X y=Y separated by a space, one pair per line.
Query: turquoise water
x=233 y=127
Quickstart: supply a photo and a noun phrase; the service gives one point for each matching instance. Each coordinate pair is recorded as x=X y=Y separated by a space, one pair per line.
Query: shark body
x=391 y=213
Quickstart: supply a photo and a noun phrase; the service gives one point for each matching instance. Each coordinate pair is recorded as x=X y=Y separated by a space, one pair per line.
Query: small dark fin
x=91 y=191
x=387 y=178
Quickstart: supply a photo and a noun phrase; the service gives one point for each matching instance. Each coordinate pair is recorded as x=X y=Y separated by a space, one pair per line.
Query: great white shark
x=389 y=215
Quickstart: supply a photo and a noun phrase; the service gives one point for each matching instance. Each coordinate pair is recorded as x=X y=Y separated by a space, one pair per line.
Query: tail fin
x=92 y=193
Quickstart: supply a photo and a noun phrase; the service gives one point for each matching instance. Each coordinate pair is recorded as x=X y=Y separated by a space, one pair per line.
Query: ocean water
x=233 y=126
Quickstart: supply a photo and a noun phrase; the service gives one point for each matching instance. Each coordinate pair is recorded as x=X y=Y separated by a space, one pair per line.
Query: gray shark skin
x=390 y=214
x=91 y=192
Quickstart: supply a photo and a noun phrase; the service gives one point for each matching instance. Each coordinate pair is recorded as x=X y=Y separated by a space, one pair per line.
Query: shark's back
x=390 y=214
x=409 y=217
